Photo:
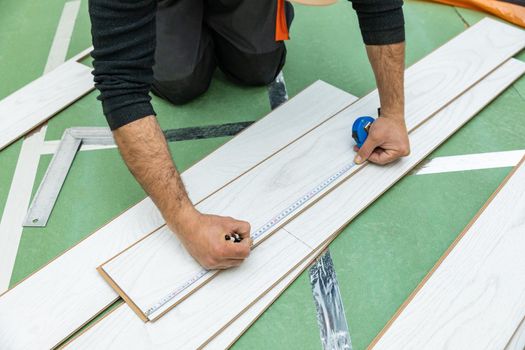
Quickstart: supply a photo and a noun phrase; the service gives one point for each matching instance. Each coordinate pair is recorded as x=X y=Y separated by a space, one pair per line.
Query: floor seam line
x=461 y=17
x=300 y=240
x=519 y=93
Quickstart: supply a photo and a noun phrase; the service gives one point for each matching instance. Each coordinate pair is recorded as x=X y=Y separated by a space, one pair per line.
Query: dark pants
x=196 y=36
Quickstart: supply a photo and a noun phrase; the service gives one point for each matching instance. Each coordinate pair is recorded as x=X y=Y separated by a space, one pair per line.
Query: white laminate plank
x=475 y=295
x=38 y=101
x=146 y=279
x=318 y=225
x=273 y=132
x=62 y=38
x=466 y=162
x=131 y=333
x=238 y=326
x=517 y=342
x=55 y=301
x=17 y=202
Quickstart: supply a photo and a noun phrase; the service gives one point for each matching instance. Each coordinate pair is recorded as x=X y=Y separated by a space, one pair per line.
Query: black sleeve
x=123 y=34
x=381 y=21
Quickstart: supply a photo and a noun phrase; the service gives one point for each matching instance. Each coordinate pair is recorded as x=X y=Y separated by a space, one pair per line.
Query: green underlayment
x=379 y=258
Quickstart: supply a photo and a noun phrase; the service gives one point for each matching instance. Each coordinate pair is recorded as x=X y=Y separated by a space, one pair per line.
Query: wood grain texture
x=317 y=225
x=144 y=278
x=475 y=295
x=55 y=301
x=38 y=101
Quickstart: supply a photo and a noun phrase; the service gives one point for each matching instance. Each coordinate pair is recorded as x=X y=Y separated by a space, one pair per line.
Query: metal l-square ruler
x=49 y=189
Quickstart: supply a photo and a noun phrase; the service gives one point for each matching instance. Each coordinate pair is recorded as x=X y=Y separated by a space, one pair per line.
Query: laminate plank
x=145 y=279
x=475 y=295
x=181 y=329
x=238 y=326
x=55 y=301
x=38 y=101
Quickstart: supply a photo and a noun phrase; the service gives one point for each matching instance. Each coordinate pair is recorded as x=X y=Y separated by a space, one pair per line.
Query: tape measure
x=361 y=128
x=359 y=133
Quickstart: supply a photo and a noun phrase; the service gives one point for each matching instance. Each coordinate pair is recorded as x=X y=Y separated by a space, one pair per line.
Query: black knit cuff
x=128 y=114
x=382 y=28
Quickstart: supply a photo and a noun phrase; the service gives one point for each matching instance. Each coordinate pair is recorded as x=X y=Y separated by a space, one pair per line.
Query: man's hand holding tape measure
x=386 y=140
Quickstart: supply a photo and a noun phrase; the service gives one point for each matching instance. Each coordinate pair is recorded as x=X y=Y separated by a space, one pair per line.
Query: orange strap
x=281 y=28
x=506 y=10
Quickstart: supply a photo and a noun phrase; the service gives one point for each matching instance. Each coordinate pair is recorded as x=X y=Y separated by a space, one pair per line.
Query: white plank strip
x=58 y=299
x=16 y=205
x=50 y=147
x=467 y=162
x=517 y=342
x=475 y=295
x=82 y=54
x=62 y=38
x=192 y=323
x=142 y=274
x=38 y=101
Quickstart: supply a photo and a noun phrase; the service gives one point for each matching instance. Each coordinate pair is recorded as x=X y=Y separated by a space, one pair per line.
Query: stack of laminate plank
x=255 y=176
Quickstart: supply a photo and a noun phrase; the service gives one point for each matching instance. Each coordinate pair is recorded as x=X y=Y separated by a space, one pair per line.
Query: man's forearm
x=388 y=63
x=388 y=138
x=145 y=151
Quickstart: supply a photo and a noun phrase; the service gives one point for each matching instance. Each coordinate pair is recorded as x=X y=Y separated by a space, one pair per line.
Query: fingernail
x=358 y=159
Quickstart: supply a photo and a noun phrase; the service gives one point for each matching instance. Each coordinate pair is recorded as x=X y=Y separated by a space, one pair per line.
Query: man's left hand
x=387 y=141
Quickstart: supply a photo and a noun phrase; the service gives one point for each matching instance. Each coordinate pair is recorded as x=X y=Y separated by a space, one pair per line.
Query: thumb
x=365 y=151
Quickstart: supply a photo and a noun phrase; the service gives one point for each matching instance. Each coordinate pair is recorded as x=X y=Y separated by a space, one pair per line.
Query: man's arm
x=124 y=44
x=144 y=148
x=382 y=28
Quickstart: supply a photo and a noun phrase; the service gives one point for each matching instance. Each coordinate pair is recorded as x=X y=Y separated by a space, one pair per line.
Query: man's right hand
x=204 y=237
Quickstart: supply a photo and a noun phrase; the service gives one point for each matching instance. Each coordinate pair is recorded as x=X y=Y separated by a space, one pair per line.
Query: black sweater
x=124 y=45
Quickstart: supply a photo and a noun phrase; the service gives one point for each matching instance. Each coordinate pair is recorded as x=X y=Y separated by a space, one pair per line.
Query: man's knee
x=180 y=92
x=257 y=67
x=250 y=69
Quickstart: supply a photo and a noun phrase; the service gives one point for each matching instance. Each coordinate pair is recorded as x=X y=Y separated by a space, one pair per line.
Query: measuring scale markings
x=258 y=233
